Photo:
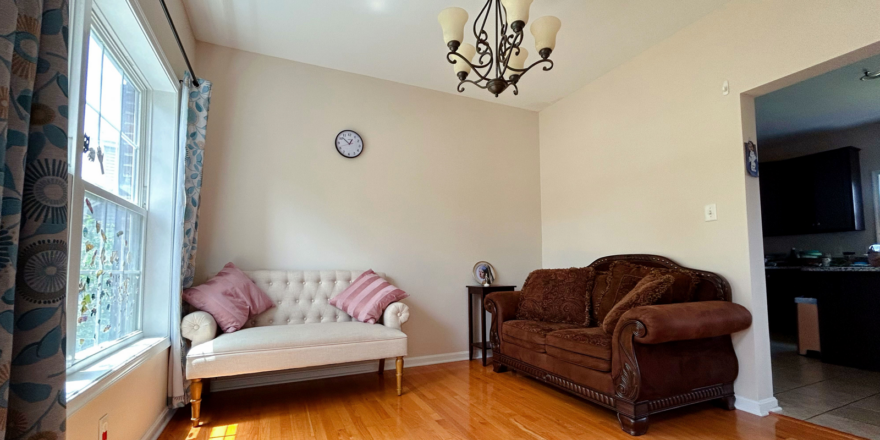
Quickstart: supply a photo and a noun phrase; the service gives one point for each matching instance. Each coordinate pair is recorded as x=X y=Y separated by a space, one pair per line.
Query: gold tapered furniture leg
x=400 y=375
x=195 y=391
x=381 y=367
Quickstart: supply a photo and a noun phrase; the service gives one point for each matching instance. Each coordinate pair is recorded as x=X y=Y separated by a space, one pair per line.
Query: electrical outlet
x=711 y=213
x=103 y=427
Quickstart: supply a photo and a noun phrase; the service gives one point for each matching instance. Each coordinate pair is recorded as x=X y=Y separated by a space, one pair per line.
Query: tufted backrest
x=301 y=297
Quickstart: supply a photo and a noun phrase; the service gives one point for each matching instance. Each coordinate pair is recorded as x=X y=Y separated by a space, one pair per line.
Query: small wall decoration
x=484 y=273
x=751 y=151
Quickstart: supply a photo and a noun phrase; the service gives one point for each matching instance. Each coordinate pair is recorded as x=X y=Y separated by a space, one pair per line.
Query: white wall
x=867 y=138
x=133 y=404
x=629 y=161
x=444 y=181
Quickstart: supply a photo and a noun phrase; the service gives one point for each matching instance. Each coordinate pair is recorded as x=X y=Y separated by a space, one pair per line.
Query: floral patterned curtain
x=195 y=101
x=33 y=218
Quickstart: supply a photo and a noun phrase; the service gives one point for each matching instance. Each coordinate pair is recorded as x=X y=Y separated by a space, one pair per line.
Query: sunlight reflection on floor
x=223 y=432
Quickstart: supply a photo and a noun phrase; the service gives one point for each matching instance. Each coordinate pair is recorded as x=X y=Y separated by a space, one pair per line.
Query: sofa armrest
x=198 y=327
x=502 y=306
x=686 y=321
x=395 y=315
x=672 y=349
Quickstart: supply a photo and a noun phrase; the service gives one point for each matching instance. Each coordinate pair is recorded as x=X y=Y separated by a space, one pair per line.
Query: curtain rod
x=179 y=44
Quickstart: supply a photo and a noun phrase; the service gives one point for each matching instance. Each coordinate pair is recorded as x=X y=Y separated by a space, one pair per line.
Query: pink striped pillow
x=367 y=297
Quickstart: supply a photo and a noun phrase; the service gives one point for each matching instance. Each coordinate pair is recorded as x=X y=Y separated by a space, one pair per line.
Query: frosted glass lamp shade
x=517 y=62
x=452 y=20
x=467 y=51
x=517 y=10
x=544 y=30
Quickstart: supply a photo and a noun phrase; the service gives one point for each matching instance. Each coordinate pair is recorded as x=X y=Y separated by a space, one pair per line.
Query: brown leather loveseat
x=586 y=331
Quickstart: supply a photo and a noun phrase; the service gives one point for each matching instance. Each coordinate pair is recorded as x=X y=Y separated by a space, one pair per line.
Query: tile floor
x=843 y=398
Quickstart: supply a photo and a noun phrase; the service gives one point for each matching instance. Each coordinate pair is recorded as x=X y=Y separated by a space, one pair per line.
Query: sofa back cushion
x=301 y=296
x=367 y=297
x=557 y=295
x=230 y=297
x=622 y=277
x=649 y=290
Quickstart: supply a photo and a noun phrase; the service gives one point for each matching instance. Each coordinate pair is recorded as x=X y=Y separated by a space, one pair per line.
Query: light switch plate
x=711 y=213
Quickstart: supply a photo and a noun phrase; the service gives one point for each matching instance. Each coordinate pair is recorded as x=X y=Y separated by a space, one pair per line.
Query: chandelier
x=499 y=64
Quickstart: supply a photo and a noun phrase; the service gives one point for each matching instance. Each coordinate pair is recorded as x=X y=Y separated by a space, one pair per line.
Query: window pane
x=111 y=93
x=130 y=105
x=110 y=275
x=93 y=77
x=112 y=121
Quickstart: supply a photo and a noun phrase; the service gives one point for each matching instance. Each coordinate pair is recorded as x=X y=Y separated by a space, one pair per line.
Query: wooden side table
x=480 y=292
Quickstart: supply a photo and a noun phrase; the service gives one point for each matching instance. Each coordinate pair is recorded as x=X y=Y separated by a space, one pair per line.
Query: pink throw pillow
x=367 y=297
x=230 y=297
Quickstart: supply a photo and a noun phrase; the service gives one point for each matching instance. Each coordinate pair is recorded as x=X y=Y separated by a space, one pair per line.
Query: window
x=123 y=192
x=111 y=235
x=875 y=183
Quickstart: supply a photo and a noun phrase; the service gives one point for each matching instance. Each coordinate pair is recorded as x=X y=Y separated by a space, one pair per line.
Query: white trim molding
x=89 y=383
x=159 y=425
x=323 y=372
x=758 y=407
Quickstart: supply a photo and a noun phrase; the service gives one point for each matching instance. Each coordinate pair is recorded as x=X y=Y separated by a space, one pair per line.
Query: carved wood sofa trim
x=636 y=412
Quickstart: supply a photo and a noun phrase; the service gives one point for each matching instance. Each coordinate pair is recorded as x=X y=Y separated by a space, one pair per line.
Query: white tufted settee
x=302 y=330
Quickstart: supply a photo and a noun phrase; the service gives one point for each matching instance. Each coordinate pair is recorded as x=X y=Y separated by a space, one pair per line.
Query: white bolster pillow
x=395 y=315
x=198 y=327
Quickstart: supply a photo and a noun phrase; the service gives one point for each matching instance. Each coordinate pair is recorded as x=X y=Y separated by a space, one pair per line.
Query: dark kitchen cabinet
x=848 y=311
x=783 y=286
x=812 y=194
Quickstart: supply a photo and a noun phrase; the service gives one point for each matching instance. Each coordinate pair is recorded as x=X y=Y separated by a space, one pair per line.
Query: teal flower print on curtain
x=33 y=217
x=195 y=101
x=198 y=101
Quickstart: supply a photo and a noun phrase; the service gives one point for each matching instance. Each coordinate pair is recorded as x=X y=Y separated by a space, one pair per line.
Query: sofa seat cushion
x=590 y=341
x=586 y=347
x=531 y=334
x=282 y=347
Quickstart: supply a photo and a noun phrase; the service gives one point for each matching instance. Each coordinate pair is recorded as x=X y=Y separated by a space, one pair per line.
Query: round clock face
x=349 y=144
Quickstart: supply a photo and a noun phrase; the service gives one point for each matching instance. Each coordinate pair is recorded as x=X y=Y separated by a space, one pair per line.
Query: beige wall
x=444 y=181
x=133 y=404
x=629 y=161
x=867 y=138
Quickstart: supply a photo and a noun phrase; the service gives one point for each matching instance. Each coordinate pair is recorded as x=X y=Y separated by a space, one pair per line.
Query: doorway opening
x=818 y=143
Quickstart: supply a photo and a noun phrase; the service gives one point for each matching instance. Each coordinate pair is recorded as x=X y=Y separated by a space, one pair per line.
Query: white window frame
x=92 y=22
x=875 y=185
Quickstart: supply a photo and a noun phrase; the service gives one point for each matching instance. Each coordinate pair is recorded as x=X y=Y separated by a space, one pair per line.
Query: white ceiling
x=830 y=101
x=401 y=41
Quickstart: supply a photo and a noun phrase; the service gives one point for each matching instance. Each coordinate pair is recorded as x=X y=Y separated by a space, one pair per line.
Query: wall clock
x=349 y=144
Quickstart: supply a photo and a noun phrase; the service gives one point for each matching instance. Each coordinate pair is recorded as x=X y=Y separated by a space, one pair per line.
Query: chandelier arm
x=508 y=52
x=483 y=13
x=461 y=85
x=482 y=36
x=473 y=67
x=498 y=31
x=522 y=72
x=515 y=89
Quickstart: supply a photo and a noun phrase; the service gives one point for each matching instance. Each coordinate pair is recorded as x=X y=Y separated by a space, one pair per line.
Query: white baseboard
x=758 y=407
x=323 y=372
x=159 y=425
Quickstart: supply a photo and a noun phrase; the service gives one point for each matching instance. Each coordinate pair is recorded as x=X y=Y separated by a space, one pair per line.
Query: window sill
x=86 y=384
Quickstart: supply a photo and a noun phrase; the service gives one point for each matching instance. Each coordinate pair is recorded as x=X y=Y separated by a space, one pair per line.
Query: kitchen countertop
x=826 y=269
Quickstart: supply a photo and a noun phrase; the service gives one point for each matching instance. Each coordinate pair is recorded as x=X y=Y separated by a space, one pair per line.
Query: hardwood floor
x=452 y=401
